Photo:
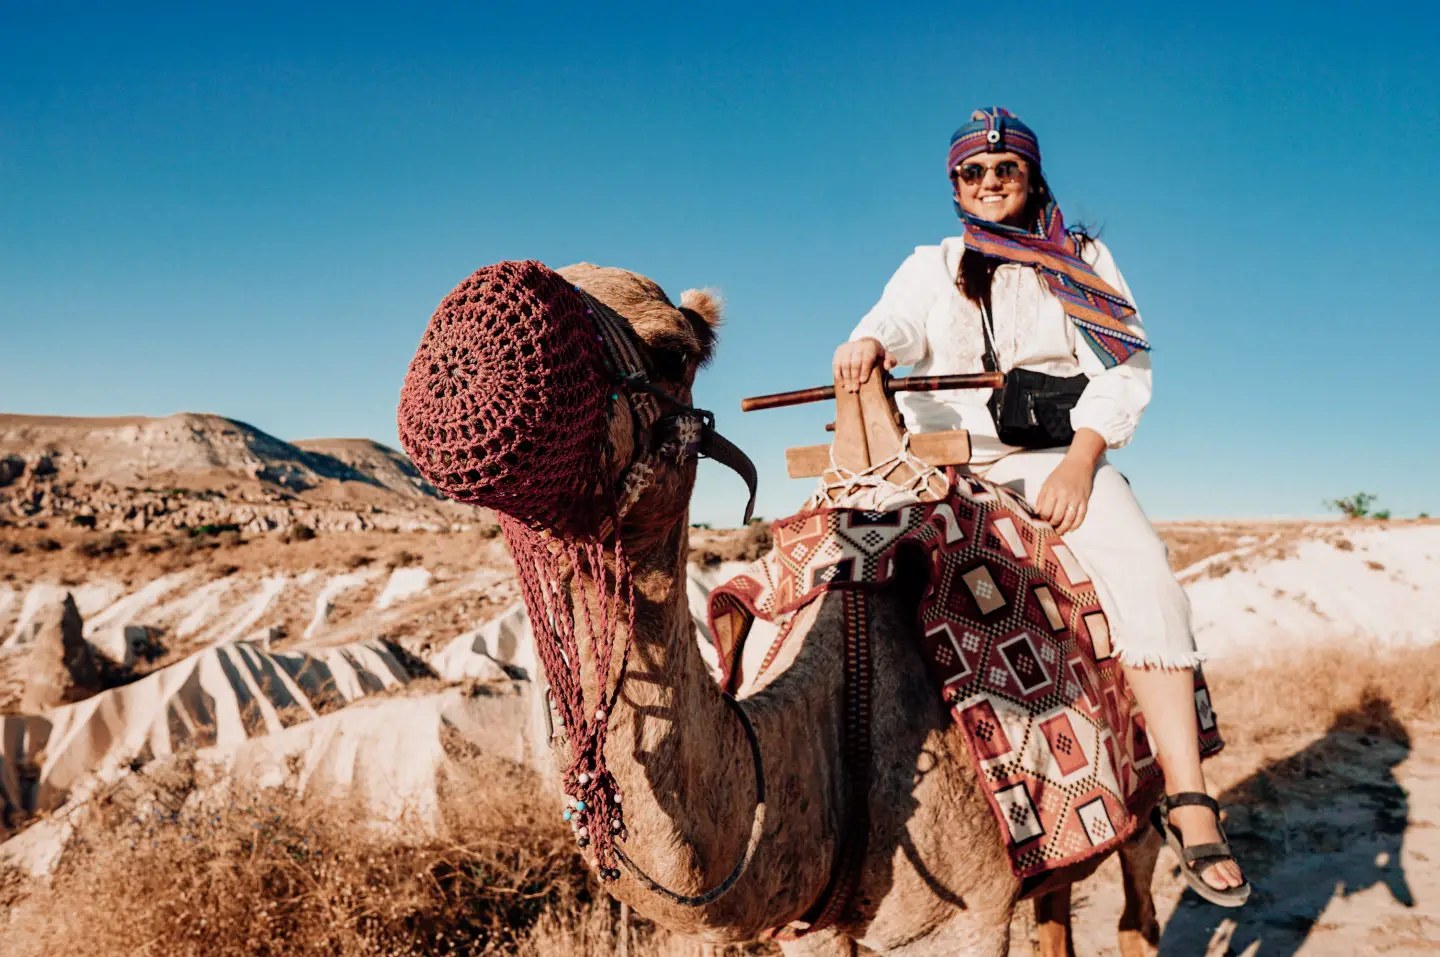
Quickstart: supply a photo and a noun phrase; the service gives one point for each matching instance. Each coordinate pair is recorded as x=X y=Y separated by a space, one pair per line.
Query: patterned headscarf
x=995 y=130
x=1098 y=310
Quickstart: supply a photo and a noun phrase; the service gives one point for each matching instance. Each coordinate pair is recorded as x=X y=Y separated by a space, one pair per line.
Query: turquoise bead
x=568 y=814
x=579 y=805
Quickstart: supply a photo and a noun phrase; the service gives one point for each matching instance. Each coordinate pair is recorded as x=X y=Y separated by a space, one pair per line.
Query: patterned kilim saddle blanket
x=1017 y=644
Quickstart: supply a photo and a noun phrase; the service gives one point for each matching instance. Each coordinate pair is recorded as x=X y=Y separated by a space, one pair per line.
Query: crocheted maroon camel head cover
x=504 y=404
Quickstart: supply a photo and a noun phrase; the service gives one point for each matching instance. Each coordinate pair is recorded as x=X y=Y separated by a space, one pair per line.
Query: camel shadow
x=1324 y=823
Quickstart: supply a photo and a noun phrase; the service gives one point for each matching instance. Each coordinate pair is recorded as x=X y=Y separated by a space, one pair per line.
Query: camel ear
x=705 y=303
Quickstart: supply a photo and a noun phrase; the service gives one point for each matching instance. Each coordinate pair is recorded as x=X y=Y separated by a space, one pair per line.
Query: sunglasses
x=971 y=173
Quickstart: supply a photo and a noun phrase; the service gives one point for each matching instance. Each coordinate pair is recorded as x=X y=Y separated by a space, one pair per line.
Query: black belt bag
x=1032 y=409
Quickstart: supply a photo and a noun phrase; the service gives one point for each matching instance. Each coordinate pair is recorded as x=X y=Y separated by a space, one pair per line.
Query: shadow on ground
x=1325 y=822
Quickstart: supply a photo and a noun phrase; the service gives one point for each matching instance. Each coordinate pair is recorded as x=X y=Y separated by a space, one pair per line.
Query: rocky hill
x=191 y=470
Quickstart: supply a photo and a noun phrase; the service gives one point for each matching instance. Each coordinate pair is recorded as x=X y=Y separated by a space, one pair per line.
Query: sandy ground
x=1340 y=833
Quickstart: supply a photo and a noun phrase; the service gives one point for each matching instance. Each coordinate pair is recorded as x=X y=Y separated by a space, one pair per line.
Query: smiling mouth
x=992 y=199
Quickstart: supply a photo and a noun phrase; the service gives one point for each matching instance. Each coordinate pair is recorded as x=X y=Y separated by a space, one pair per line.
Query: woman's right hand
x=854 y=361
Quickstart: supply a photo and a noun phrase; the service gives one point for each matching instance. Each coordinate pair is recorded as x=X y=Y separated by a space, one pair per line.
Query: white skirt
x=1148 y=611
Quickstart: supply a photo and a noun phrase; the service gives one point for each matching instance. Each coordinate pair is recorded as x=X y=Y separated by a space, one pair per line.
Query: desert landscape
x=274 y=697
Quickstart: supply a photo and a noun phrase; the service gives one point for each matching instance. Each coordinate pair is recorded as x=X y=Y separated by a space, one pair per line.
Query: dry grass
x=1349 y=687
x=164 y=869
x=270 y=874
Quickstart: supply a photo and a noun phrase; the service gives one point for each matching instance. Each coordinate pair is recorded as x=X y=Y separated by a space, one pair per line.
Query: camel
x=935 y=878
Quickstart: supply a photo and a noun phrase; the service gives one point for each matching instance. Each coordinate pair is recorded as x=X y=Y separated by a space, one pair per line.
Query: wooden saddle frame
x=870 y=435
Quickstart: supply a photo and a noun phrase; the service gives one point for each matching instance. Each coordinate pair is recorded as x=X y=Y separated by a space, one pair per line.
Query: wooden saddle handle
x=870 y=434
x=930 y=383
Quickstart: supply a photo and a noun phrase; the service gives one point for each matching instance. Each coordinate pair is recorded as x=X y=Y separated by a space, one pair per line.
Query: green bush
x=1356 y=506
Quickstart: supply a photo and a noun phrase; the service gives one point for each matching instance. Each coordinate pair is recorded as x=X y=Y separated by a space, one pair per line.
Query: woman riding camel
x=1019 y=293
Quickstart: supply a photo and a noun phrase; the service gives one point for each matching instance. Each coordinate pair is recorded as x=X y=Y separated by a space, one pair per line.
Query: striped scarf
x=1096 y=308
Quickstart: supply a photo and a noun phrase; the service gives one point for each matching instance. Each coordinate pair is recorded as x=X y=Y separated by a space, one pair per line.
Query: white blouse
x=923 y=320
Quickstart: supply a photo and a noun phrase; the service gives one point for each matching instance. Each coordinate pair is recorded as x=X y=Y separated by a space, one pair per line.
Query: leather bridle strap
x=628 y=366
x=692 y=432
x=712 y=445
x=757 y=830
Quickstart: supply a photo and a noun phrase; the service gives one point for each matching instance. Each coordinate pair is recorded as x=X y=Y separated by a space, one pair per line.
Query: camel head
x=558 y=398
x=562 y=401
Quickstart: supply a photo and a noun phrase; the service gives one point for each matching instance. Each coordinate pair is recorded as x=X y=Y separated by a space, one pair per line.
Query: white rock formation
x=1377 y=585
x=218 y=697
x=388 y=754
x=333 y=588
x=403 y=583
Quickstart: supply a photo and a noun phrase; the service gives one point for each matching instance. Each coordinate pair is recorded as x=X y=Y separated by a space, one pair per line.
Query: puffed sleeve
x=898 y=319
x=1115 y=397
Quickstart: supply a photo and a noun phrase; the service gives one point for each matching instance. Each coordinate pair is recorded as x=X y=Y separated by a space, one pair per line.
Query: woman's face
x=993 y=186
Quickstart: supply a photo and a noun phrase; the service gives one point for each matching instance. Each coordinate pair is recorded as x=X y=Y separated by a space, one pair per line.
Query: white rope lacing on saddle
x=870 y=489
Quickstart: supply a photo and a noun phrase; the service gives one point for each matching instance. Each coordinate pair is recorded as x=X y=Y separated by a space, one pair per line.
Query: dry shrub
x=189 y=546
x=598 y=929
x=267 y=873
x=1379 y=690
x=710 y=547
x=167 y=867
x=112 y=543
x=149 y=647
x=297 y=533
x=229 y=538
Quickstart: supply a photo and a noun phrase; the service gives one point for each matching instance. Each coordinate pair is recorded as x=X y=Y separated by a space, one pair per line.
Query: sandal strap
x=1199 y=853
x=1187 y=799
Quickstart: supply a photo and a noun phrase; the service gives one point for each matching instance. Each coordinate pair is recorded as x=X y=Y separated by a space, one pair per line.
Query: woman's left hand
x=1065 y=496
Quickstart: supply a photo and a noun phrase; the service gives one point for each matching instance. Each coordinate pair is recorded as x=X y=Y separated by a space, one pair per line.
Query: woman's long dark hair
x=977 y=270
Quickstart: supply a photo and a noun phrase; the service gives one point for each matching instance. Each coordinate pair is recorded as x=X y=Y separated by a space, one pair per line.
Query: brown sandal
x=1200 y=856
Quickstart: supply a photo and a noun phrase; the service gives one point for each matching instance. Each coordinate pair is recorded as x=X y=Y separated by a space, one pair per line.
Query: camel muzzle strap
x=711 y=444
x=627 y=365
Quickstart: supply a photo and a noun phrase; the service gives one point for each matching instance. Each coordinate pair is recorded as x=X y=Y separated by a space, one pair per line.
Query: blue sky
x=249 y=210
